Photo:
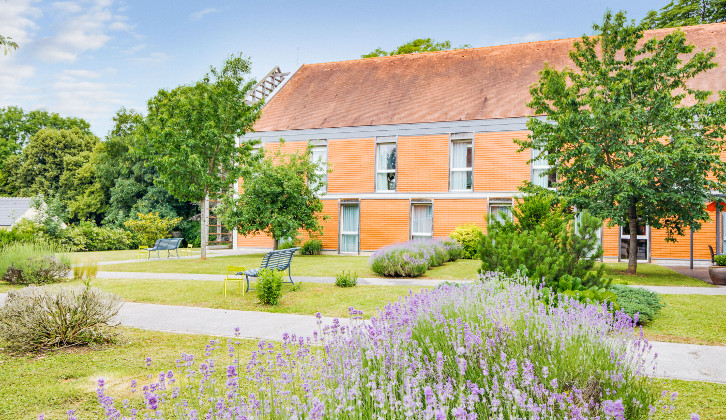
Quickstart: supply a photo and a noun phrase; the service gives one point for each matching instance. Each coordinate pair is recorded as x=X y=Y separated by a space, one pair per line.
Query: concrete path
x=212 y=253
x=690 y=362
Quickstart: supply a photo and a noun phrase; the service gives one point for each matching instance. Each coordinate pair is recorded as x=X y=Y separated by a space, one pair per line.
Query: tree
x=629 y=140
x=279 y=198
x=190 y=135
x=685 y=13
x=127 y=176
x=7 y=43
x=416 y=46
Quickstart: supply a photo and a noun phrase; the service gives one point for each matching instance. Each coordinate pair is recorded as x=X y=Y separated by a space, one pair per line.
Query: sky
x=89 y=58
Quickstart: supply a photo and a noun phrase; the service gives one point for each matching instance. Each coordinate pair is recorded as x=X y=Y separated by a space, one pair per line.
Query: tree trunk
x=633 y=245
x=275 y=243
x=205 y=224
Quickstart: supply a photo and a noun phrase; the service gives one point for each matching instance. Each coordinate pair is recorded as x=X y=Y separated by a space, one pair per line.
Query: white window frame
x=623 y=237
x=540 y=164
x=412 y=235
x=461 y=138
x=499 y=203
x=383 y=141
x=341 y=232
x=321 y=144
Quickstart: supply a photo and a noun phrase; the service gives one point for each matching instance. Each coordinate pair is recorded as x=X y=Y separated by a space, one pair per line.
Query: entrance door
x=349 y=227
x=643 y=238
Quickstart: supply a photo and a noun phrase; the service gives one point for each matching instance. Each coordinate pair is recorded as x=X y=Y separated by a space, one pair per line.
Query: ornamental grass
x=490 y=350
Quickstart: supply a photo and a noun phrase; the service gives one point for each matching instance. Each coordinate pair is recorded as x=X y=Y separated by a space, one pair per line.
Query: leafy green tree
x=280 y=197
x=150 y=227
x=416 y=46
x=190 y=135
x=7 y=43
x=127 y=177
x=629 y=140
x=685 y=13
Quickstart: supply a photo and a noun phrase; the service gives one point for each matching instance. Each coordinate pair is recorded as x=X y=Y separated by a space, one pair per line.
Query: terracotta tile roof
x=470 y=84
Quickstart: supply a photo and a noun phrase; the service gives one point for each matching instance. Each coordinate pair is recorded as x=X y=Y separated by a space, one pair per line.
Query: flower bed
x=413 y=258
x=485 y=350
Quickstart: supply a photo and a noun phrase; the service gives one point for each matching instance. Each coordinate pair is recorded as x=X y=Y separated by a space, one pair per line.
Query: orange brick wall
x=610 y=242
x=352 y=164
x=330 y=226
x=448 y=214
x=423 y=163
x=497 y=165
x=383 y=222
x=254 y=241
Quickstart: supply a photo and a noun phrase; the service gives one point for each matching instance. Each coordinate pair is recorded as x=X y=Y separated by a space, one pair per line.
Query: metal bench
x=168 y=245
x=279 y=260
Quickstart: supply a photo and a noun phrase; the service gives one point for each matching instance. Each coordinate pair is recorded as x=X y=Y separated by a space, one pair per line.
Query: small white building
x=12 y=209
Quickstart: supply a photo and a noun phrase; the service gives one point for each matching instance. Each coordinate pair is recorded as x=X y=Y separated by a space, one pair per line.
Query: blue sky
x=88 y=58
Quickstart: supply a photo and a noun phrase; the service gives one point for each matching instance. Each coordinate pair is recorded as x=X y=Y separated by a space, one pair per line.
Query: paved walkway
x=679 y=361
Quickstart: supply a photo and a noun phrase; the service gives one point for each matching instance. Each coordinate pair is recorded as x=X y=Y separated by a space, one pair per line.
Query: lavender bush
x=478 y=351
x=413 y=258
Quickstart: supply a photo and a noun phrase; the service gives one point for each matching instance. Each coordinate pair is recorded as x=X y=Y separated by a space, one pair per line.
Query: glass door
x=349 y=227
x=643 y=238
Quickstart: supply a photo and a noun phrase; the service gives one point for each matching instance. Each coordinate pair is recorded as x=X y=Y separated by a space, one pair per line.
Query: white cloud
x=201 y=13
x=67 y=6
x=535 y=36
x=153 y=59
x=74 y=95
x=12 y=75
x=17 y=20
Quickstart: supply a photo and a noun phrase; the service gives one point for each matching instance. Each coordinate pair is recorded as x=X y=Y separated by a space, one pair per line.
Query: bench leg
x=289 y=275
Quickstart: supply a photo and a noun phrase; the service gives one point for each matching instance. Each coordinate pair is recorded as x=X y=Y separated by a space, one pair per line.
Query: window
x=349 y=223
x=642 y=238
x=320 y=155
x=386 y=164
x=540 y=166
x=500 y=210
x=422 y=220
x=462 y=154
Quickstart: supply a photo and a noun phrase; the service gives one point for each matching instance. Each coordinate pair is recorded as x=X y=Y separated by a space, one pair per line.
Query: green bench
x=168 y=245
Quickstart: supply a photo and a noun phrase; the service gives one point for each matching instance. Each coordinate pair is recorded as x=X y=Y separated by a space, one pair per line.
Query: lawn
x=57 y=381
x=650 y=275
x=310 y=298
x=302 y=265
x=690 y=319
x=706 y=399
x=103 y=256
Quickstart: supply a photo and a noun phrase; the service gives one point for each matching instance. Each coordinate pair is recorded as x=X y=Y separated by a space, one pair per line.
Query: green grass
x=650 y=275
x=706 y=399
x=690 y=319
x=310 y=298
x=302 y=265
x=57 y=381
x=102 y=256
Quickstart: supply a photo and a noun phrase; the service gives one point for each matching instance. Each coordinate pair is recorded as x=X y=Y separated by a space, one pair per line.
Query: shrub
x=469 y=236
x=413 y=258
x=719 y=260
x=346 y=279
x=9 y=236
x=33 y=263
x=86 y=236
x=42 y=317
x=453 y=248
x=288 y=243
x=269 y=286
x=641 y=304
x=486 y=350
x=192 y=232
x=150 y=227
x=312 y=246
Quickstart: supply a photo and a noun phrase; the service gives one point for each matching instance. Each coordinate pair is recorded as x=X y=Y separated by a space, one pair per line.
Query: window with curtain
x=386 y=167
x=540 y=166
x=422 y=220
x=320 y=155
x=349 y=215
x=500 y=212
x=461 y=165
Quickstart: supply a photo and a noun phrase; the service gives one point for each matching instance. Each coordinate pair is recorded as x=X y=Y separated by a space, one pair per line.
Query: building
x=12 y=209
x=419 y=144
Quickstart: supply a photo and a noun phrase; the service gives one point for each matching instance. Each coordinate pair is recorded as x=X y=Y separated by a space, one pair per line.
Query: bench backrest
x=278 y=260
x=170 y=243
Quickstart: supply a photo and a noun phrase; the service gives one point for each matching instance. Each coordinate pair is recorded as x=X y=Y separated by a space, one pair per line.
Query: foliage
x=720 y=260
x=86 y=236
x=312 y=246
x=49 y=215
x=686 y=13
x=468 y=235
x=127 y=176
x=346 y=279
x=544 y=243
x=280 y=197
x=288 y=243
x=269 y=286
x=33 y=263
x=431 y=341
x=9 y=236
x=190 y=134
x=413 y=258
x=7 y=44
x=192 y=231
x=641 y=304
x=150 y=227
x=40 y=318
x=416 y=46
x=629 y=139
